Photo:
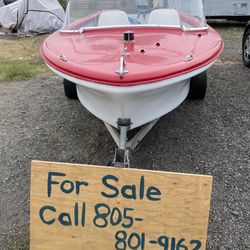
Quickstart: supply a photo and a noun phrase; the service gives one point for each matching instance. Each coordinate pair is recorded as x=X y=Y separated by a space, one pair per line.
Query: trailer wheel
x=246 y=49
x=198 y=86
x=70 y=89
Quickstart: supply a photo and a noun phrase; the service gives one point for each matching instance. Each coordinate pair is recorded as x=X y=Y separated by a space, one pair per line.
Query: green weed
x=18 y=70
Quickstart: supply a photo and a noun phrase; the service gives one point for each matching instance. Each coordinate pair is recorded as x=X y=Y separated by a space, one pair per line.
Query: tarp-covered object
x=32 y=16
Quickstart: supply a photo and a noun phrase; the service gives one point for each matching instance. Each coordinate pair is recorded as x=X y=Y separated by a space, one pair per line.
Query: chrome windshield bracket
x=79 y=31
x=122 y=70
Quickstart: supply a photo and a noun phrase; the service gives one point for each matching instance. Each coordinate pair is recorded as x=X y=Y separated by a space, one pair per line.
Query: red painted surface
x=95 y=55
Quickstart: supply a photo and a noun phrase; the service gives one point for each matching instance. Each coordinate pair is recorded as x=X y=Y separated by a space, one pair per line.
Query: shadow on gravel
x=225 y=24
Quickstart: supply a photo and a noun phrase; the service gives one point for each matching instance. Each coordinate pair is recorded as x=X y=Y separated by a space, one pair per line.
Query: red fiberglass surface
x=158 y=53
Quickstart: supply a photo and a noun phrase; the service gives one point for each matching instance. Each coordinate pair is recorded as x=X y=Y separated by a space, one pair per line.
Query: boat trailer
x=125 y=142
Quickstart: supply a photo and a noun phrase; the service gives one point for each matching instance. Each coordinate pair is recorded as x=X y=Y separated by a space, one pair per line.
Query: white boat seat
x=164 y=17
x=113 y=17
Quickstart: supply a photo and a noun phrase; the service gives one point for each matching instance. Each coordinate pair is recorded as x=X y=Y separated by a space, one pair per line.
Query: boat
x=131 y=62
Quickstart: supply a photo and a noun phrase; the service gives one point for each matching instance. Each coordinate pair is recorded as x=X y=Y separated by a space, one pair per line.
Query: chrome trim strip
x=184 y=28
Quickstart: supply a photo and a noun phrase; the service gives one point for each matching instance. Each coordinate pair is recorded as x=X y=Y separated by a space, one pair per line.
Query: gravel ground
x=202 y=137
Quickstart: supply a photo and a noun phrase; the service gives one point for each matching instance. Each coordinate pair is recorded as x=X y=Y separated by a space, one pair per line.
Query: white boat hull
x=141 y=107
x=142 y=103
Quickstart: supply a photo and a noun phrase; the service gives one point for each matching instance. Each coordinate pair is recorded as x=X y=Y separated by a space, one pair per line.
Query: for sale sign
x=91 y=207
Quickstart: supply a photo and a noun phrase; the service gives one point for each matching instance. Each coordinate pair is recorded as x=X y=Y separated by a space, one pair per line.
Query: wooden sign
x=89 y=207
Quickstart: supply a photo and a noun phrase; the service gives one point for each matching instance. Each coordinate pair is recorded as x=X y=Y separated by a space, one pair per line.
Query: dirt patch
x=13 y=48
x=225 y=62
x=20 y=58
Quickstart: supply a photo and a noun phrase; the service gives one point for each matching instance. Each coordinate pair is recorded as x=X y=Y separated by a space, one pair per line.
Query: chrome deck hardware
x=189 y=58
x=63 y=58
x=122 y=70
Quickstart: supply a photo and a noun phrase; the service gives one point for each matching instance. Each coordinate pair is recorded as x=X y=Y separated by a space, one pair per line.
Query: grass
x=17 y=71
x=20 y=58
x=22 y=245
x=63 y=3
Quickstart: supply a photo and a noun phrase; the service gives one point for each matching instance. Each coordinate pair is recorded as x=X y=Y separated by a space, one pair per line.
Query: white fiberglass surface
x=183 y=13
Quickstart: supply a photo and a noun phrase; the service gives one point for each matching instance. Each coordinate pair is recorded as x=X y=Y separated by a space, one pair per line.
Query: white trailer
x=229 y=9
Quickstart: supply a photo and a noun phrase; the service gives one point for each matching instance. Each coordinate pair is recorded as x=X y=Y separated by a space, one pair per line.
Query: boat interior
x=158 y=16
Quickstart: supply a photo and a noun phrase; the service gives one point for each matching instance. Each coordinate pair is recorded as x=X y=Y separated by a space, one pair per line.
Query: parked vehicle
x=246 y=46
x=229 y=9
x=28 y=17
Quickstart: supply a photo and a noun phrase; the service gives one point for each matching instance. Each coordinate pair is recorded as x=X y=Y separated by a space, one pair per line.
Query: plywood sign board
x=88 y=207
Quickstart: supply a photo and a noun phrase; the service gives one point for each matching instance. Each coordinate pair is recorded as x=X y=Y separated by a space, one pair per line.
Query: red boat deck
x=158 y=53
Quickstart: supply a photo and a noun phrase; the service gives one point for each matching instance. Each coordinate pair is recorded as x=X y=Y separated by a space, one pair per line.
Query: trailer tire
x=70 y=89
x=198 y=86
x=245 y=46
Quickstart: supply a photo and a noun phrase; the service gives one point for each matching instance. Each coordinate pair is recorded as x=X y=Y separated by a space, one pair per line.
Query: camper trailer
x=229 y=9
